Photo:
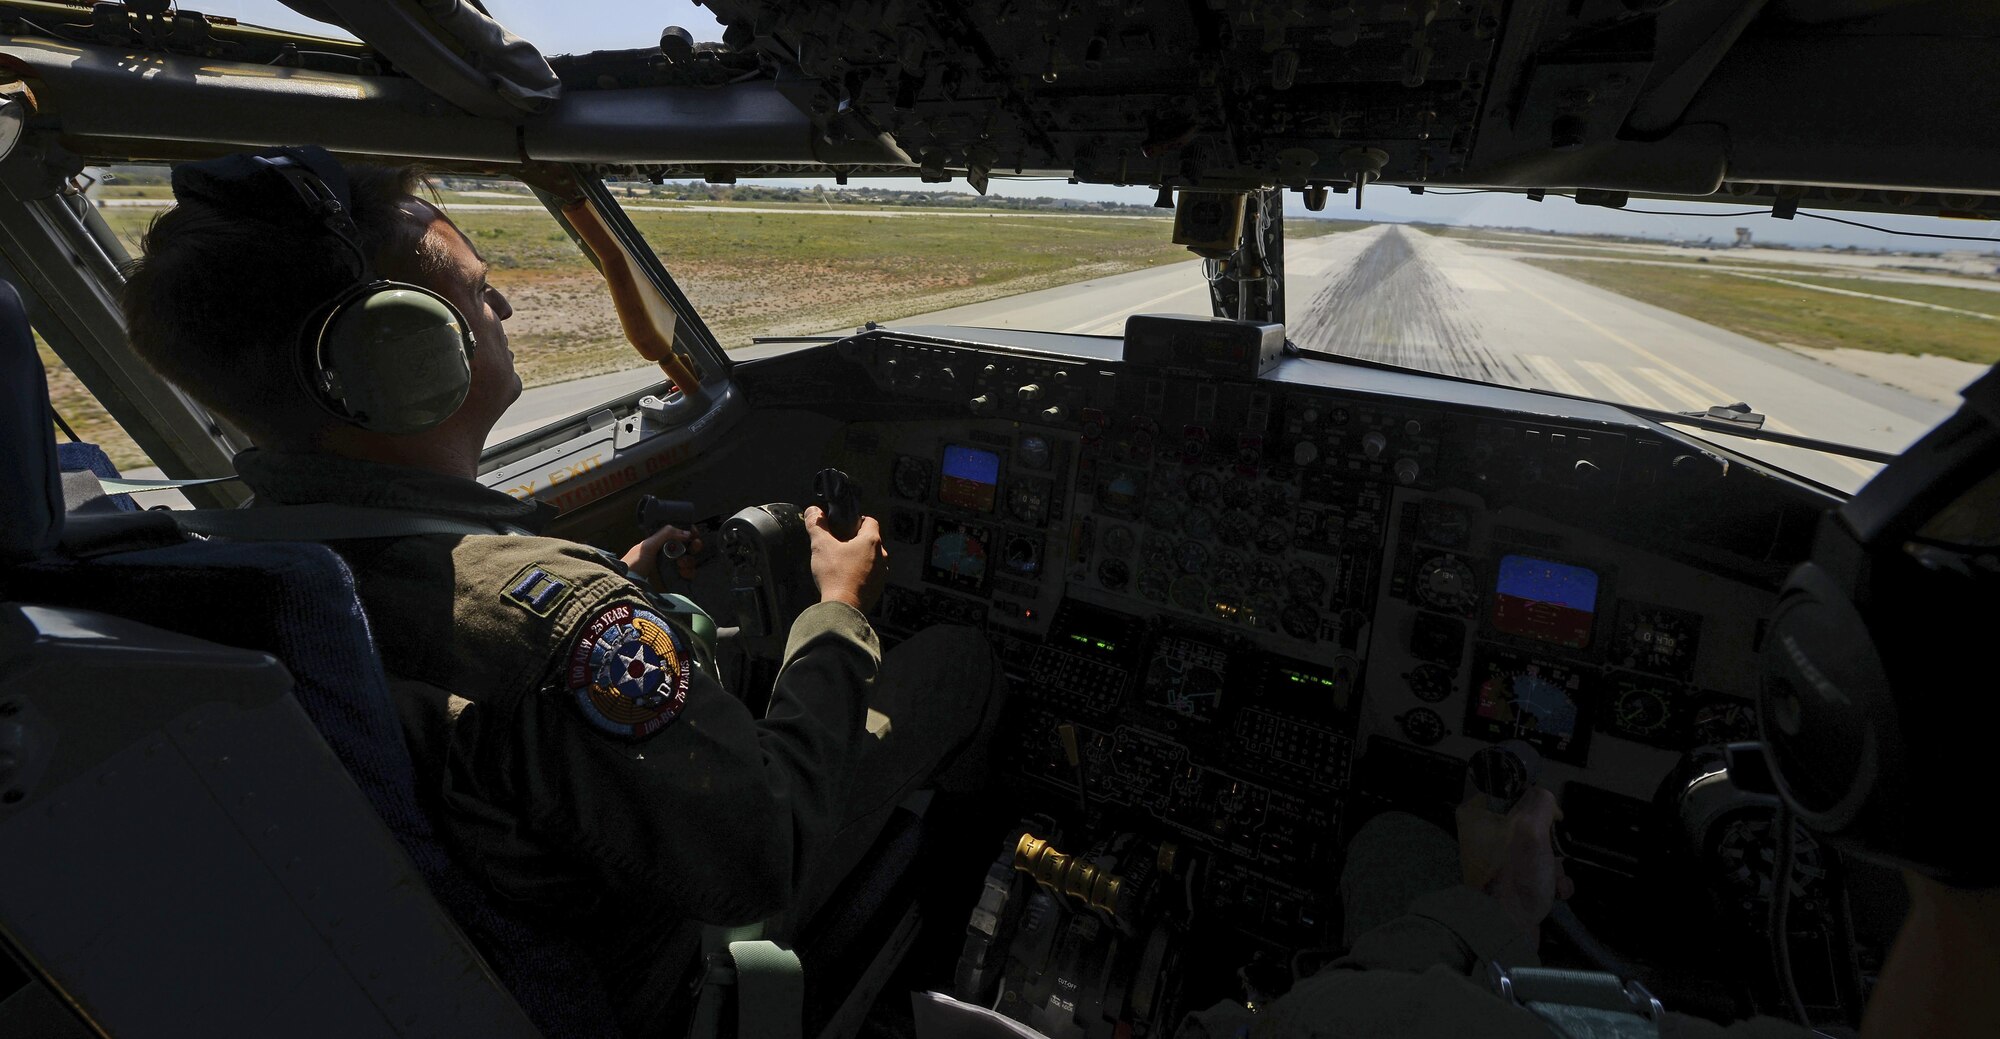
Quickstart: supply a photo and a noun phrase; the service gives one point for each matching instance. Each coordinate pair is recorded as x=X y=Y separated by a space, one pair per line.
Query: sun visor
x=450 y=47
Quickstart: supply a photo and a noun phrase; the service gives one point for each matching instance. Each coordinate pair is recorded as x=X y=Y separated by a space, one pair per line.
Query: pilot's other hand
x=1512 y=857
x=644 y=557
x=847 y=570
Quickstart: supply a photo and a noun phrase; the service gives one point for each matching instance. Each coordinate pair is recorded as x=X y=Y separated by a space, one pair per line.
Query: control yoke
x=770 y=553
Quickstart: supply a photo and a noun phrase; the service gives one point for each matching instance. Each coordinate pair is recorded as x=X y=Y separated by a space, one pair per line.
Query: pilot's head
x=231 y=276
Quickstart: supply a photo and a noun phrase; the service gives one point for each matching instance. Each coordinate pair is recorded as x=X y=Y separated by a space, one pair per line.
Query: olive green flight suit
x=1418 y=970
x=579 y=755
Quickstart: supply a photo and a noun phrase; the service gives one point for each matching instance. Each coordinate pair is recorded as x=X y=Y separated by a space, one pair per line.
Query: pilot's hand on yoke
x=1513 y=857
x=850 y=569
x=644 y=557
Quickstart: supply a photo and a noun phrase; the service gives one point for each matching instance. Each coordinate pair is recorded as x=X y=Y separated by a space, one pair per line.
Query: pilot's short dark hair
x=217 y=299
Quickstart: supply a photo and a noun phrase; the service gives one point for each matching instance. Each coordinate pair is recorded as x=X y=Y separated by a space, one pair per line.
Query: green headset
x=386 y=356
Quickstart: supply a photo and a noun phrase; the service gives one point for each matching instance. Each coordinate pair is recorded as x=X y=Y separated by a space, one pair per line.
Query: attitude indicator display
x=1540 y=599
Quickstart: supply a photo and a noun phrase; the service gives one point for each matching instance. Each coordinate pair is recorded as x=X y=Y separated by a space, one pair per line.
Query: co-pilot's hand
x=644 y=558
x=1512 y=857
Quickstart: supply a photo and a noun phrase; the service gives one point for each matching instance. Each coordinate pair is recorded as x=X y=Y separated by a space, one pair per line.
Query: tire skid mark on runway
x=1394 y=305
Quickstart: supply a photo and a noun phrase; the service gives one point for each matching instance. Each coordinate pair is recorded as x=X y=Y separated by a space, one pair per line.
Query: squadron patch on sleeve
x=629 y=671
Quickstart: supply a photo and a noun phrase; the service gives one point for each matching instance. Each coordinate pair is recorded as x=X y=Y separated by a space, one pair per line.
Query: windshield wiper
x=1737 y=420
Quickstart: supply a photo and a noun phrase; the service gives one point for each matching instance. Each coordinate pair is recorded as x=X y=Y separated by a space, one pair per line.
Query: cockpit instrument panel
x=1212 y=593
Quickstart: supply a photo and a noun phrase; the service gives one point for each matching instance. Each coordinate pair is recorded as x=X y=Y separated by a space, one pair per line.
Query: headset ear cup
x=1824 y=707
x=390 y=357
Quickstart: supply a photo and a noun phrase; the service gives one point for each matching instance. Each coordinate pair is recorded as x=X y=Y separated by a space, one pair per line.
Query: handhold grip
x=836 y=495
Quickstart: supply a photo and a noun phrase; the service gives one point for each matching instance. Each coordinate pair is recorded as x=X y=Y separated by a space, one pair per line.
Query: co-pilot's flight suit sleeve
x=623 y=778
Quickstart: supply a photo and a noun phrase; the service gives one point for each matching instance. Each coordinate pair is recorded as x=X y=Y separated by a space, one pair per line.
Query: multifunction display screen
x=970 y=478
x=1539 y=599
x=1516 y=696
x=959 y=555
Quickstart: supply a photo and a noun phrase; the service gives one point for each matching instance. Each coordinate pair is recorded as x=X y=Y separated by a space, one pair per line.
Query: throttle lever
x=837 y=495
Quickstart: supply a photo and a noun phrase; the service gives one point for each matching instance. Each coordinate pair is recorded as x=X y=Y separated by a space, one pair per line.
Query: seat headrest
x=31 y=501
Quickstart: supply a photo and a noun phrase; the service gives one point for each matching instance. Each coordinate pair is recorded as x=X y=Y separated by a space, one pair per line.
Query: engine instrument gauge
x=1023 y=555
x=1422 y=726
x=1153 y=583
x=1431 y=683
x=1273 y=537
x=1658 y=640
x=1237 y=493
x=1202 y=487
x=1028 y=500
x=1306 y=585
x=1188 y=593
x=1114 y=575
x=1164 y=513
x=1226 y=568
x=1235 y=527
x=1300 y=621
x=1032 y=452
x=1191 y=556
x=1262 y=610
x=1266 y=578
x=1118 y=541
x=1722 y=719
x=912 y=478
x=1644 y=710
x=1199 y=524
x=1445 y=583
x=1540 y=702
x=1157 y=549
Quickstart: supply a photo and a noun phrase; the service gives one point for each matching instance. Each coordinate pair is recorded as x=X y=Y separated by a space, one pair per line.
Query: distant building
x=1743 y=238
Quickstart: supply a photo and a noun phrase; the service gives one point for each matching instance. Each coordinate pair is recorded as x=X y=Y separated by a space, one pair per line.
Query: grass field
x=748 y=274
x=1790 y=316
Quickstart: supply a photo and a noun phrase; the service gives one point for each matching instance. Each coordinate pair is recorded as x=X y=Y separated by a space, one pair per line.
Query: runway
x=1397 y=295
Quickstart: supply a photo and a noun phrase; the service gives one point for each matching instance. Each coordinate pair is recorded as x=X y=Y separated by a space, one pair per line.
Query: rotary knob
x=1406 y=470
x=1305 y=453
x=1029 y=393
x=982 y=404
x=1373 y=443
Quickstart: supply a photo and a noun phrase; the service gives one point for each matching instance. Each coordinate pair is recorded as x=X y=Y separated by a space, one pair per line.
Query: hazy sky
x=567 y=26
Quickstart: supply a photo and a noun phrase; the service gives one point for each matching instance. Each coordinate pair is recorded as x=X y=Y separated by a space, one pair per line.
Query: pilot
x=1423 y=929
x=570 y=737
x=1424 y=921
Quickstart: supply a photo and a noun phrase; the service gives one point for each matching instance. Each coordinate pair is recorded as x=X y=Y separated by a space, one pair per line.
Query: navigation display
x=971 y=478
x=1516 y=696
x=958 y=555
x=1538 y=599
